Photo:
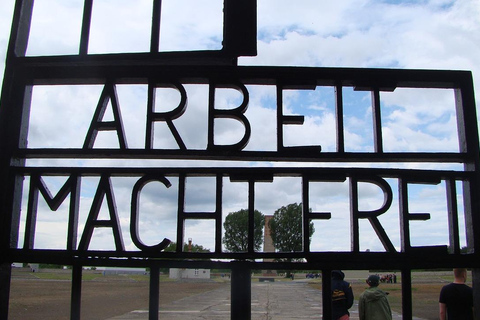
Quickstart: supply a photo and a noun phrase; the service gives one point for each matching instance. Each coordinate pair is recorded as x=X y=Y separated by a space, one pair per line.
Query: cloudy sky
x=435 y=34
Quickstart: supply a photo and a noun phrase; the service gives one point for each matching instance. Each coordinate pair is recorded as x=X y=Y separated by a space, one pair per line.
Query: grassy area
x=51 y=276
x=91 y=276
x=86 y=276
x=63 y=276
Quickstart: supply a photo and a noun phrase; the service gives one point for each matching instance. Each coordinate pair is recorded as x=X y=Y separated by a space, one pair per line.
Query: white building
x=176 y=273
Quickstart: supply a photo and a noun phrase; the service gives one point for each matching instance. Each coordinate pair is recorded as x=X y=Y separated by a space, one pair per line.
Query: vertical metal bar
x=73 y=213
x=5 y=278
x=354 y=225
x=14 y=109
x=153 y=305
x=453 y=230
x=467 y=118
x=150 y=115
x=22 y=19
x=181 y=212
x=76 y=295
x=240 y=27
x=16 y=195
x=241 y=291
x=326 y=293
x=279 y=88
x=470 y=199
x=218 y=213
x=404 y=223
x=377 y=121
x=211 y=112
x=339 y=113
x=251 y=215
x=155 y=35
x=14 y=113
x=476 y=292
x=31 y=219
x=469 y=143
x=86 y=23
x=306 y=214
x=406 y=294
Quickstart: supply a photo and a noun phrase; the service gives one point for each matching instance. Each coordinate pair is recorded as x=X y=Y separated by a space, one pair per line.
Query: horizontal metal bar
x=315 y=172
x=330 y=260
x=282 y=155
x=198 y=57
x=142 y=68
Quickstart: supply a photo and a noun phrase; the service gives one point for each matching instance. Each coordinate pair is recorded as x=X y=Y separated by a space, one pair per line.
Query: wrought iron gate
x=216 y=70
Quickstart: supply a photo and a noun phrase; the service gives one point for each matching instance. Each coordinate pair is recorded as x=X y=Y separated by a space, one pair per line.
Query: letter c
x=134 y=213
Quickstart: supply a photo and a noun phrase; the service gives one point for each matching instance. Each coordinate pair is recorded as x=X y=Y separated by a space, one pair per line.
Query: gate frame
x=22 y=73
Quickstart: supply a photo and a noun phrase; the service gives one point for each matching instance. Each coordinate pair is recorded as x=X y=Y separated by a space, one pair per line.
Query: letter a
x=109 y=93
x=104 y=189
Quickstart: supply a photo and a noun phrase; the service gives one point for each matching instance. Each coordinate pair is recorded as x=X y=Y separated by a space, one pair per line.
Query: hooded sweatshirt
x=342 y=295
x=373 y=305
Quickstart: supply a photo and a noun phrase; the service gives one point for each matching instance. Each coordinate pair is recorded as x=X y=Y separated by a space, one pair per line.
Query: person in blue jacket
x=342 y=296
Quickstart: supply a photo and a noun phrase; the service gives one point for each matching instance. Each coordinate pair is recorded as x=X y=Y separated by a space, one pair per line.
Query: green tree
x=172 y=247
x=236 y=231
x=286 y=228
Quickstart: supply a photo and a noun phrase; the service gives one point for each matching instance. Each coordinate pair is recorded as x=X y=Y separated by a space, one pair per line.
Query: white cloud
x=198 y=26
x=369 y=34
x=55 y=36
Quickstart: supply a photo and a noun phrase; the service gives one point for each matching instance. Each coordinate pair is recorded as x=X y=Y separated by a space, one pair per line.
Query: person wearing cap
x=373 y=303
x=342 y=296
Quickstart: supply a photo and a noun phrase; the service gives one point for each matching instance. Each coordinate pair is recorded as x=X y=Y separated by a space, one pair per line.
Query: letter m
x=72 y=187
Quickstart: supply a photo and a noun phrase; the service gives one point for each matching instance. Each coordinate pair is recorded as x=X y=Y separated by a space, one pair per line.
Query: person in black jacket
x=342 y=296
x=456 y=298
